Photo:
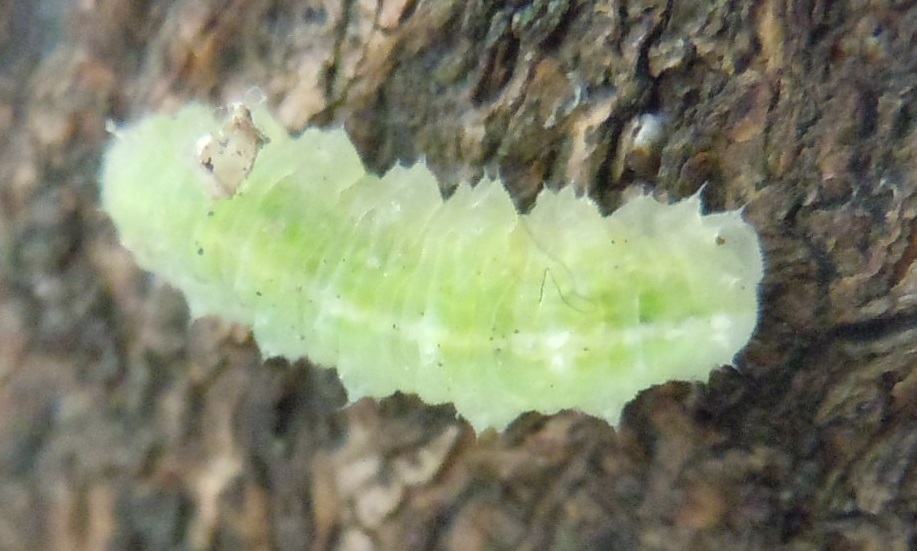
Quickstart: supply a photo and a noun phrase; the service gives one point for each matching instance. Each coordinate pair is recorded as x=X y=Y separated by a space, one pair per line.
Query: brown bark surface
x=124 y=427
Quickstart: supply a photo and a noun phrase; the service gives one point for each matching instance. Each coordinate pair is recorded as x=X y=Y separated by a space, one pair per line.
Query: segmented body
x=461 y=301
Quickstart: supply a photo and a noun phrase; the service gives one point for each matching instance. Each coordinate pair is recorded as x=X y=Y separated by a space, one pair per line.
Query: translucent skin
x=461 y=301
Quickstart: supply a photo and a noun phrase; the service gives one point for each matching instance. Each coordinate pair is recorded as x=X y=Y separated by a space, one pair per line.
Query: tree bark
x=125 y=427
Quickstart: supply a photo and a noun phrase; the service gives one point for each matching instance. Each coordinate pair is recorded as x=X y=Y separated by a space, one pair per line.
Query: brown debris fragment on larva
x=228 y=156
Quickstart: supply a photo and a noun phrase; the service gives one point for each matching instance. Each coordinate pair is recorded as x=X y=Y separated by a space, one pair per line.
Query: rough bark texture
x=121 y=427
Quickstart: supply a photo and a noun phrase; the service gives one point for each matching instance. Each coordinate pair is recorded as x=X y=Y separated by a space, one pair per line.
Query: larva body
x=461 y=301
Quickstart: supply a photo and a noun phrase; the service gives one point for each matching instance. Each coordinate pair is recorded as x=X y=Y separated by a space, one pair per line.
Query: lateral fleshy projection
x=461 y=301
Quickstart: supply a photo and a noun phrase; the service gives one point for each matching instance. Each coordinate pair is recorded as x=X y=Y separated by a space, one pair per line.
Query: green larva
x=461 y=301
